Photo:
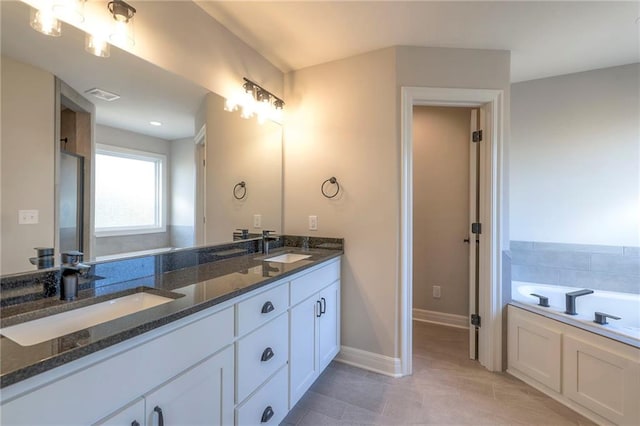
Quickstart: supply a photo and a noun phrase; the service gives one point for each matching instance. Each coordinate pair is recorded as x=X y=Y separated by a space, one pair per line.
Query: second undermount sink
x=288 y=258
x=47 y=328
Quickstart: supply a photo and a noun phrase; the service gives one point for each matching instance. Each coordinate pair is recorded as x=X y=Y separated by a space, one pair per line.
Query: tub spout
x=571 y=300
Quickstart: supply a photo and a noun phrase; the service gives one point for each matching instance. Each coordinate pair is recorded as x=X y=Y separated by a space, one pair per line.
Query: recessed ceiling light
x=102 y=94
x=155 y=123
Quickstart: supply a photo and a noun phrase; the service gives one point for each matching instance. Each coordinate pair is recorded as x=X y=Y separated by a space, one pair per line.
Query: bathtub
x=623 y=305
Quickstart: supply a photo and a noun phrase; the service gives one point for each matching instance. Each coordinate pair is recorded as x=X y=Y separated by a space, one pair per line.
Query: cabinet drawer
x=306 y=285
x=259 y=309
x=270 y=402
x=252 y=370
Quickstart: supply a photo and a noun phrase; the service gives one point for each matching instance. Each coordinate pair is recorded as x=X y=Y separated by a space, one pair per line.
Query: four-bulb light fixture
x=255 y=100
x=46 y=18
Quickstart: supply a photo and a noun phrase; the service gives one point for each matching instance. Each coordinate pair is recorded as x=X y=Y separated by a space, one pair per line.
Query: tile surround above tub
x=612 y=268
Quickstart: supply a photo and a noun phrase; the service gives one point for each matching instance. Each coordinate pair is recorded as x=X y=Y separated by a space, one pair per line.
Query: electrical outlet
x=28 y=217
x=313 y=223
x=436 y=292
x=257 y=221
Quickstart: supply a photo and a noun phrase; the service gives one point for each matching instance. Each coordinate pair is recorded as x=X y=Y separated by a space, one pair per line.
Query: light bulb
x=45 y=22
x=69 y=10
x=97 y=45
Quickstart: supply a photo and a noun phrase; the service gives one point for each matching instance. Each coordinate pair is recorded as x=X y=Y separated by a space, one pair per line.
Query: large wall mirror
x=156 y=169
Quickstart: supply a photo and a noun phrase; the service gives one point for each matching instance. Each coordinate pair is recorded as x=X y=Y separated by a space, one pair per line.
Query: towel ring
x=331 y=180
x=242 y=188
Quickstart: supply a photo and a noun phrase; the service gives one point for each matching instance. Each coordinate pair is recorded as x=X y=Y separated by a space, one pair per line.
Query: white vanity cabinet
x=101 y=384
x=315 y=327
x=245 y=361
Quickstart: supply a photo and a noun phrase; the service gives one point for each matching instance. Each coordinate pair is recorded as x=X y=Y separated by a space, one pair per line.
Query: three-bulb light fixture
x=46 y=18
x=255 y=100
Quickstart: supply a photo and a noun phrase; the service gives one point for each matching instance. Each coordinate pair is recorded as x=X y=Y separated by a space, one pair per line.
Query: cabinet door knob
x=267 y=414
x=267 y=307
x=319 y=304
x=160 y=416
x=323 y=306
x=267 y=355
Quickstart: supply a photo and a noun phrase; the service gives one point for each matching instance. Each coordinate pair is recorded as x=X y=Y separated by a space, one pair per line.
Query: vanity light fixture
x=255 y=99
x=123 y=13
x=44 y=21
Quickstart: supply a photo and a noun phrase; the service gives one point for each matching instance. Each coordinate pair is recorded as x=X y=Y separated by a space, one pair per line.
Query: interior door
x=199 y=219
x=477 y=118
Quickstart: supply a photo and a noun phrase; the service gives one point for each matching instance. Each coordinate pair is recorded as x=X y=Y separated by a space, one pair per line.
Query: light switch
x=28 y=217
x=313 y=223
x=257 y=221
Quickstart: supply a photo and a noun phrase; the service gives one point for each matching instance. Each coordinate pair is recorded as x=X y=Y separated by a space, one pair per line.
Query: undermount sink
x=47 y=328
x=288 y=258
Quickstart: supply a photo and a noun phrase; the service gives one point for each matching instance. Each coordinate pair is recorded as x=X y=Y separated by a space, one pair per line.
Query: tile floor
x=446 y=388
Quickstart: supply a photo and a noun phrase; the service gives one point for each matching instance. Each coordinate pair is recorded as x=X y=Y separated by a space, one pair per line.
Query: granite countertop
x=193 y=289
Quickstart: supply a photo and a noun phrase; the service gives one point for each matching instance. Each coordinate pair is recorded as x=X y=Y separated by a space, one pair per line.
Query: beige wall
x=343 y=120
x=241 y=150
x=441 y=208
x=27 y=139
x=576 y=158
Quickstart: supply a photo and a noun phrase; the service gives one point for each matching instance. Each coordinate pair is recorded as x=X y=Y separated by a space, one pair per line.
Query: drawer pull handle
x=135 y=423
x=267 y=414
x=267 y=307
x=323 y=306
x=160 y=416
x=267 y=355
x=319 y=311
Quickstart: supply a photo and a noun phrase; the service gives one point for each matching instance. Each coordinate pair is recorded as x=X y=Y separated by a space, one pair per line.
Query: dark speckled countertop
x=193 y=289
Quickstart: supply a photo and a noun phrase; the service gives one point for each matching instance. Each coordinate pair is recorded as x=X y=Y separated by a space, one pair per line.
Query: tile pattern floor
x=446 y=388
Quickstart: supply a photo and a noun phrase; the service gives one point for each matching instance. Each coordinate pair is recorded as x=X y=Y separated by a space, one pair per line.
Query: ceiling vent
x=102 y=94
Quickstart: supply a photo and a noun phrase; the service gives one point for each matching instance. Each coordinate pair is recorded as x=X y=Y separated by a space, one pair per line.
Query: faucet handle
x=266 y=232
x=601 y=318
x=544 y=300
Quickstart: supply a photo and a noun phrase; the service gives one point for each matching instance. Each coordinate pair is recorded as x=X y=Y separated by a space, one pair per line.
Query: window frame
x=161 y=171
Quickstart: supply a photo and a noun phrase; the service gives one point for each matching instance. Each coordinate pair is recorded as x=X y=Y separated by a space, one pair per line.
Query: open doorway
x=490 y=218
x=445 y=204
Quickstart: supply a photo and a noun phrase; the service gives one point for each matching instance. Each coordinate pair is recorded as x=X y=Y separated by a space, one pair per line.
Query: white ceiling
x=148 y=93
x=545 y=38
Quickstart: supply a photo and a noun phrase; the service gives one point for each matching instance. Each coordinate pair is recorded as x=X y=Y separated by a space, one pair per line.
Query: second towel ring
x=242 y=188
x=331 y=180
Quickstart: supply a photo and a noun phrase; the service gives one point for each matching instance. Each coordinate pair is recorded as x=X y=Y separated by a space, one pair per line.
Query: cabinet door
x=202 y=395
x=303 y=361
x=329 y=324
x=131 y=415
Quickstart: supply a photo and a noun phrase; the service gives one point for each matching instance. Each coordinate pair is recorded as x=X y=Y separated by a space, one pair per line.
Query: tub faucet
x=571 y=300
x=70 y=270
x=601 y=318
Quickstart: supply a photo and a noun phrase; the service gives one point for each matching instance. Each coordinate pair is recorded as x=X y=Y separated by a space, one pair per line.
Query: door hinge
x=476 y=136
x=475 y=320
x=476 y=228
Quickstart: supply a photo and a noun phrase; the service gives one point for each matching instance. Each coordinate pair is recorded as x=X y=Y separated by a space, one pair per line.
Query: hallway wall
x=441 y=208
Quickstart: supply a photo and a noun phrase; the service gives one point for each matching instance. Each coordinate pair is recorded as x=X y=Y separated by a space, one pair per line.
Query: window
x=130 y=191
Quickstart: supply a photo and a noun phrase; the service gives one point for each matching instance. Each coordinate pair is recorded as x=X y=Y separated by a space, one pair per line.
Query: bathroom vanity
x=241 y=345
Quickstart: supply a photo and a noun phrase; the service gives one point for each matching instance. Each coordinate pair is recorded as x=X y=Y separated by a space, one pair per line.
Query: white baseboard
x=451 y=320
x=377 y=363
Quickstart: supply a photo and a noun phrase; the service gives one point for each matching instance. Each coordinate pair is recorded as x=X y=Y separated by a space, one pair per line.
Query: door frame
x=491 y=215
x=200 y=196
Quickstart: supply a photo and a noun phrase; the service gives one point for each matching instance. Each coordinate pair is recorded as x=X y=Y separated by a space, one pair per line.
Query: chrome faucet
x=571 y=300
x=266 y=239
x=70 y=270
